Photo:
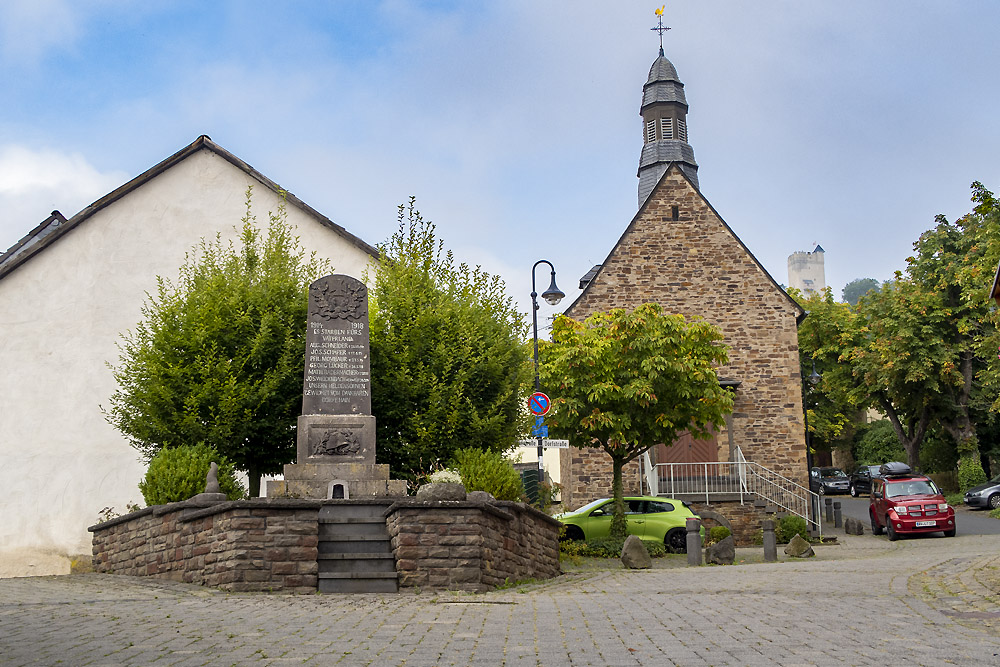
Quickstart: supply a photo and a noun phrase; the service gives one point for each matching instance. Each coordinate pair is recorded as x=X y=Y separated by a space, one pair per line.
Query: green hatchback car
x=650 y=518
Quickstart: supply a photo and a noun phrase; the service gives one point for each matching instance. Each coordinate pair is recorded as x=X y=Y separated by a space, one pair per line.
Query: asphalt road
x=969 y=521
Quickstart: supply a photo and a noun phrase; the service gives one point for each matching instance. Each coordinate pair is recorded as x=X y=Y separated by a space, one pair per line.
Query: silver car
x=984 y=495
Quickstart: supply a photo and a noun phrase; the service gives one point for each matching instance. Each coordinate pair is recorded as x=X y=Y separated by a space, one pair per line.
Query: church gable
x=679 y=252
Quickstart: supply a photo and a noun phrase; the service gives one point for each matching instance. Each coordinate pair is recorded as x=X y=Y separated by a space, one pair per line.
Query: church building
x=679 y=252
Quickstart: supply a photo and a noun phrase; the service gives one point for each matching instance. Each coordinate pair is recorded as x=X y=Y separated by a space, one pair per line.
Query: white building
x=67 y=290
x=806 y=271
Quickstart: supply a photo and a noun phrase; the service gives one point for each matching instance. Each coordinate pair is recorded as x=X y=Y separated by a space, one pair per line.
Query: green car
x=649 y=518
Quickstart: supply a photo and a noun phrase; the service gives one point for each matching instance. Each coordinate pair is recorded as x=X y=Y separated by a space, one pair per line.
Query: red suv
x=903 y=503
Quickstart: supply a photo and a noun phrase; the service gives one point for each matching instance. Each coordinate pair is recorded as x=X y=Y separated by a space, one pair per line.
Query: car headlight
x=942 y=506
x=900 y=509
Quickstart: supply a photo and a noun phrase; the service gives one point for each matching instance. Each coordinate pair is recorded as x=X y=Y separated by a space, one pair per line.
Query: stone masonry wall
x=697 y=266
x=471 y=546
x=585 y=475
x=744 y=519
x=235 y=546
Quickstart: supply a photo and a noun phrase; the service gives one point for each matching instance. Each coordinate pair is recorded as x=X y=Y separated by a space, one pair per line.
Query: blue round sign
x=539 y=404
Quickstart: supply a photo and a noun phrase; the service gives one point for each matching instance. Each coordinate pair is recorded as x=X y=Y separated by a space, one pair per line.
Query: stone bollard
x=829 y=509
x=694 y=541
x=838 y=516
x=770 y=542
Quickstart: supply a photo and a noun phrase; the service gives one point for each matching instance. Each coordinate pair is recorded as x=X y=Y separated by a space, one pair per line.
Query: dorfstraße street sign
x=546 y=442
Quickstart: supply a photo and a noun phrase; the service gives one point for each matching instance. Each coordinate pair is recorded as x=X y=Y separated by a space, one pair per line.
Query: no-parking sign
x=539 y=404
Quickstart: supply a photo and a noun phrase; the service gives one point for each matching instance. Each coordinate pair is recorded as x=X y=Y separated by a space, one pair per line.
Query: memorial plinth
x=335 y=438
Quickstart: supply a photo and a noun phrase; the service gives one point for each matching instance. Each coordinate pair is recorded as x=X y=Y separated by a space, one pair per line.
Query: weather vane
x=660 y=28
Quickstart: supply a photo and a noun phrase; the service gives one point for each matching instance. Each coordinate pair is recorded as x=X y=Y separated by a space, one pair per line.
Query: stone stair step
x=356 y=556
x=358 y=575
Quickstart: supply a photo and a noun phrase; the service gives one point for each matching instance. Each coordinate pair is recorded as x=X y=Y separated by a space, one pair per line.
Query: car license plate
x=926 y=524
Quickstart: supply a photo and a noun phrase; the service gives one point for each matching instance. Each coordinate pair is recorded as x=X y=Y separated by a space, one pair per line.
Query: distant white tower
x=806 y=272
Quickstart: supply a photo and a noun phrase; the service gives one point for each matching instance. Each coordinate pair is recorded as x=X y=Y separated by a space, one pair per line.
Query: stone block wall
x=693 y=263
x=585 y=475
x=744 y=519
x=471 y=546
x=260 y=545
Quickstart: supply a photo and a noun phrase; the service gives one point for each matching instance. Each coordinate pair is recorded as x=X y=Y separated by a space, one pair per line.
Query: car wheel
x=876 y=529
x=994 y=501
x=574 y=533
x=950 y=533
x=854 y=491
x=890 y=530
x=676 y=541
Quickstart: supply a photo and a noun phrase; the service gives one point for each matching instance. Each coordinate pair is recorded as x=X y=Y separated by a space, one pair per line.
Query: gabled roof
x=55 y=226
x=800 y=312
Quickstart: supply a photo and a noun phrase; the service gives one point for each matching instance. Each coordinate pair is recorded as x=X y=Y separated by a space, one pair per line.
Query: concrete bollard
x=770 y=541
x=838 y=515
x=829 y=509
x=694 y=541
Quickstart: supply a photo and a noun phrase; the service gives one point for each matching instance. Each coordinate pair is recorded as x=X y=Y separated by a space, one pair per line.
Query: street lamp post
x=553 y=295
x=808 y=384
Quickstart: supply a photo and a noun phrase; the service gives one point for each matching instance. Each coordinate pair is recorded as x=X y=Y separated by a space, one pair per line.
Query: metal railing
x=739 y=478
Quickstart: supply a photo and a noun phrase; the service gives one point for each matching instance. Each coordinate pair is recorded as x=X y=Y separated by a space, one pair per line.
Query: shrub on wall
x=484 y=470
x=178 y=473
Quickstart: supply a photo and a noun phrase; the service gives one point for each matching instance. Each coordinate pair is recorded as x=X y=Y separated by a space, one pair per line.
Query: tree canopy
x=857 y=288
x=625 y=381
x=920 y=348
x=218 y=356
x=449 y=368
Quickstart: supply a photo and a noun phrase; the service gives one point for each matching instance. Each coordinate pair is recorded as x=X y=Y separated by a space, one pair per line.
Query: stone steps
x=355 y=552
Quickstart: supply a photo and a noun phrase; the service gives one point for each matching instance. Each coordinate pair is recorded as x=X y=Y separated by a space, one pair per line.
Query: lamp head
x=553 y=295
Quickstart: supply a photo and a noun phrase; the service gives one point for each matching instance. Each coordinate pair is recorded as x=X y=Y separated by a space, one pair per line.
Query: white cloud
x=33 y=182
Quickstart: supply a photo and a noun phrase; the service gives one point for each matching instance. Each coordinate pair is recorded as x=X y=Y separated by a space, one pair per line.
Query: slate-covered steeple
x=664 y=127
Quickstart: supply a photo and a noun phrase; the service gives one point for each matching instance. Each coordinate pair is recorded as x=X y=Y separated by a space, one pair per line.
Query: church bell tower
x=664 y=124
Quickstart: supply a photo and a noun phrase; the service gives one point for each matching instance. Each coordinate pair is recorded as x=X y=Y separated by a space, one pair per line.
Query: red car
x=904 y=503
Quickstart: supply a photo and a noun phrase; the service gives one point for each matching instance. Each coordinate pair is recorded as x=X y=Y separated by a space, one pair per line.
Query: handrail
x=739 y=477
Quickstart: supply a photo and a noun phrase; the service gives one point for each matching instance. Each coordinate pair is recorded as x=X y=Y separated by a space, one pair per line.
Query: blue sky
x=515 y=123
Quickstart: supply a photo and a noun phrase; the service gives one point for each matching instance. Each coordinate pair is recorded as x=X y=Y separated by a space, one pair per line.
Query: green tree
x=218 y=358
x=857 y=288
x=625 y=381
x=449 y=368
x=830 y=409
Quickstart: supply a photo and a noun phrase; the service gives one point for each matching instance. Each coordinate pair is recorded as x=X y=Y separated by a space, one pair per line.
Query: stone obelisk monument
x=335 y=437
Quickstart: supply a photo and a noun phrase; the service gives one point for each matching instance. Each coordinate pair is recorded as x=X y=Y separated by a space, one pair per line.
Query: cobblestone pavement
x=864 y=602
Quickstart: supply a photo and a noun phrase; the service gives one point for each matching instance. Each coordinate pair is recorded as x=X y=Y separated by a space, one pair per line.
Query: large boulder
x=799 y=548
x=854 y=526
x=441 y=491
x=634 y=554
x=722 y=552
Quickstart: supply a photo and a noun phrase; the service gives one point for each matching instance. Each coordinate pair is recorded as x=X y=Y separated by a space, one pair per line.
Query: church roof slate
x=55 y=226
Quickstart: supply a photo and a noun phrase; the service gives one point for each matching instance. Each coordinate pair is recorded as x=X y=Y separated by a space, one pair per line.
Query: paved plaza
x=864 y=602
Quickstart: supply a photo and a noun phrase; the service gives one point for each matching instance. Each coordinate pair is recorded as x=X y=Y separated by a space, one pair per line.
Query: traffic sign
x=539 y=404
x=540 y=430
x=561 y=444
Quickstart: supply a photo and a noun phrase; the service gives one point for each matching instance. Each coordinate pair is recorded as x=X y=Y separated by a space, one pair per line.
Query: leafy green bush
x=995 y=513
x=970 y=472
x=877 y=443
x=485 y=470
x=178 y=473
x=788 y=526
x=606 y=548
x=717 y=534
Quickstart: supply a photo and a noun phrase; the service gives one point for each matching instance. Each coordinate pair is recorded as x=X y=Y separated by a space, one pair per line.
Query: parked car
x=984 y=495
x=826 y=480
x=906 y=503
x=651 y=518
x=861 y=480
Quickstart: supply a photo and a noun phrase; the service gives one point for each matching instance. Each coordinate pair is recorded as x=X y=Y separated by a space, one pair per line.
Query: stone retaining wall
x=471 y=546
x=265 y=545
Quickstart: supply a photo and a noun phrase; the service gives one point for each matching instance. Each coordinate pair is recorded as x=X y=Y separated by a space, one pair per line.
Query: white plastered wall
x=60 y=317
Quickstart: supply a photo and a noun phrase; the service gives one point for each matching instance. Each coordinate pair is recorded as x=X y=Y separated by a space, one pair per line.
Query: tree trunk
x=618 y=524
x=253 y=481
x=913 y=435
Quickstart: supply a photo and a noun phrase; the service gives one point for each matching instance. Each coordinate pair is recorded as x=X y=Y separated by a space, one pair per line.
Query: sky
x=516 y=124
